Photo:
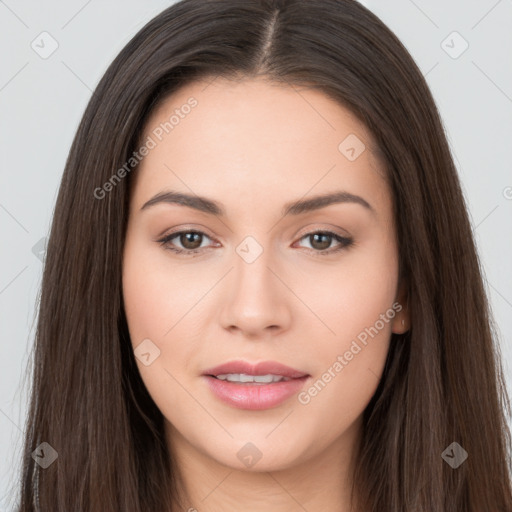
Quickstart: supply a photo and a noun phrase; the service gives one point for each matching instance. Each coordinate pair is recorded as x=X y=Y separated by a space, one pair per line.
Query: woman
x=250 y=371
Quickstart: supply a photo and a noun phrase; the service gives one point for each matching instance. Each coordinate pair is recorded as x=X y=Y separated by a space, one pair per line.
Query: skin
x=253 y=146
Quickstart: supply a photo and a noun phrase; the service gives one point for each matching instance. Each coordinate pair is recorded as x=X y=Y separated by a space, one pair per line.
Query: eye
x=191 y=242
x=320 y=242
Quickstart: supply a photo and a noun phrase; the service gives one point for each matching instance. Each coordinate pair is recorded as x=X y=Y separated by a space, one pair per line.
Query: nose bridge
x=253 y=266
x=257 y=299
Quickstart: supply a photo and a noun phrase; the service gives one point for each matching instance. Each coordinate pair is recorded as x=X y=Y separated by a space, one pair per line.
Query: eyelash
x=345 y=242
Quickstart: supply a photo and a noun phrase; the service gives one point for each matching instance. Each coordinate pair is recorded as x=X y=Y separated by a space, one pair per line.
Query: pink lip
x=254 y=396
x=263 y=368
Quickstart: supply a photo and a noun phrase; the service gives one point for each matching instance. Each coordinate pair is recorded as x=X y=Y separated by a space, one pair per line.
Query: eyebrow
x=203 y=204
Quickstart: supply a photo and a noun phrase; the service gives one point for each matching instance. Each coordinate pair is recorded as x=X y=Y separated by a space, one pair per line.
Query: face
x=260 y=271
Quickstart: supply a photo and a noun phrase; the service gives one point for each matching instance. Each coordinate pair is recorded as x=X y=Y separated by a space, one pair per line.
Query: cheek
x=156 y=302
x=350 y=355
x=167 y=304
x=352 y=295
x=157 y=296
x=146 y=302
x=152 y=313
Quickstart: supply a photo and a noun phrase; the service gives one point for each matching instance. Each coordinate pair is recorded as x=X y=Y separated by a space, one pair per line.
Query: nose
x=256 y=298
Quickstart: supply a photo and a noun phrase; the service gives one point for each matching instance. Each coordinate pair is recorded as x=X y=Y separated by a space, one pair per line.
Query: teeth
x=243 y=377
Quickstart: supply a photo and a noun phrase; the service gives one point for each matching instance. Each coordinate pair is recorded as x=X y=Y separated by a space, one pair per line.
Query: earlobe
x=400 y=324
x=401 y=321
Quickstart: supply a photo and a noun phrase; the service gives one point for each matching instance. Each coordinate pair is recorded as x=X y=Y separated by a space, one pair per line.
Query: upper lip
x=262 y=368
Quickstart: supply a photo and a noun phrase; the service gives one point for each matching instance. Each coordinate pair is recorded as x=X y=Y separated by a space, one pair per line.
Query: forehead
x=258 y=137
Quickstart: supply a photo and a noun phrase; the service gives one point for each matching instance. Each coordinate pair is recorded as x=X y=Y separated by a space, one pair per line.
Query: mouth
x=243 y=371
x=254 y=386
x=244 y=378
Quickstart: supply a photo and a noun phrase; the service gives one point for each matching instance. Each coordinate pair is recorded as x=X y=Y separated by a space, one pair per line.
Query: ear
x=401 y=322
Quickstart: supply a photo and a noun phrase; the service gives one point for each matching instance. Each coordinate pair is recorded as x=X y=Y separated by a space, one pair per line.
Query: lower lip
x=254 y=396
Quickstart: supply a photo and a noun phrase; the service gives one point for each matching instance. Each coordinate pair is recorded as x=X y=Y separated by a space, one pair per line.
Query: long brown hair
x=443 y=381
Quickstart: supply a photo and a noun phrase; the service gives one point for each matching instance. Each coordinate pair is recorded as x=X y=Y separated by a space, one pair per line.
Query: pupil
x=323 y=245
x=189 y=242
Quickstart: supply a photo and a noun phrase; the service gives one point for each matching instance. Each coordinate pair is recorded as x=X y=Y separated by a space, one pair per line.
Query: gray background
x=43 y=99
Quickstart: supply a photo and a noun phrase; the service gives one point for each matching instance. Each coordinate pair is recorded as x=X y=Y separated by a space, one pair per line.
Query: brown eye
x=190 y=240
x=320 y=241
